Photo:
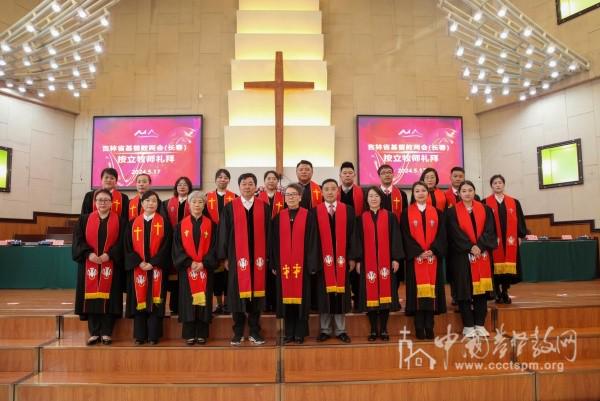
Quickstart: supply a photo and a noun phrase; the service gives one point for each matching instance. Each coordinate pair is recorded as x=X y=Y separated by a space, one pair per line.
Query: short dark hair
x=377 y=190
x=148 y=194
x=102 y=191
x=346 y=165
x=497 y=176
x=329 y=180
x=299 y=188
x=466 y=182
x=457 y=168
x=304 y=162
x=142 y=174
x=416 y=184
x=429 y=170
x=242 y=177
x=187 y=181
x=275 y=173
x=110 y=171
x=222 y=171
x=384 y=166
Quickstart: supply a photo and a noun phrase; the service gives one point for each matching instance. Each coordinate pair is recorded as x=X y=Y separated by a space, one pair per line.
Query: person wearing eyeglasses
x=98 y=252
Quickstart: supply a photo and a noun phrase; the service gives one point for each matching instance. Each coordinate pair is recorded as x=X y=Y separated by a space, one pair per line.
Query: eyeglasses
x=103 y=200
x=292 y=195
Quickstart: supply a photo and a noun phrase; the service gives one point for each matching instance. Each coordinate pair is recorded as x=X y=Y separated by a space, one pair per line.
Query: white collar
x=247 y=203
x=421 y=207
x=346 y=189
x=384 y=189
x=221 y=193
x=149 y=218
x=334 y=204
x=499 y=198
x=181 y=200
x=455 y=190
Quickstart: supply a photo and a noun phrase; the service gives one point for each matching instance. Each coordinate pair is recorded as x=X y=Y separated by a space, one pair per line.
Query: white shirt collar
x=149 y=218
x=182 y=199
x=330 y=204
x=384 y=189
x=455 y=190
x=347 y=189
x=499 y=198
x=248 y=203
x=221 y=193
x=422 y=207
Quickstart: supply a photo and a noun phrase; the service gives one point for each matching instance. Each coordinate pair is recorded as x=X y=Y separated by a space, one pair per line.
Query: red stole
x=277 y=201
x=450 y=197
x=197 y=280
x=334 y=263
x=396 y=202
x=242 y=253
x=98 y=277
x=357 y=198
x=505 y=262
x=117 y=202
x=377 y=259
x=134 y=205
x=291 y=254
x=157 y=235
x=425 y=269
x=213 y=204
x=440 y=199
x=481 y=271
x=173 y=210
x=316 y=197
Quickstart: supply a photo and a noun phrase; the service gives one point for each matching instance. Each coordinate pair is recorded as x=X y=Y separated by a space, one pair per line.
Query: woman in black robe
x=147 y=320
x=295 y=316
x=472 y=300
x=379 y=314
x=423 y=307
x=176 y=208
x=93 y=305
x=504 y=275
x=196 y=317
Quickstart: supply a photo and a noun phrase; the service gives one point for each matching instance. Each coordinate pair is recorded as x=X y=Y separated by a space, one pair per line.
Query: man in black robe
x=243 y=308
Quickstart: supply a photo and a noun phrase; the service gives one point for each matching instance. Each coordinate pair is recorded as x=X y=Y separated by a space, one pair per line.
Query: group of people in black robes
x=329 y=248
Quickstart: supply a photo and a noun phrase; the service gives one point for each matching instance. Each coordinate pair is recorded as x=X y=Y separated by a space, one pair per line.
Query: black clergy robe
x=226 y=250
x=181 y=261
x=460 y=247
x=81 y=251
x=386 y=202
x=87 y=206
x=521 y=233
x=161 y=259
x=396 y=254
x=412 y=249
x=306 y=197
x=348 y=197
x=335 y=303
x=303 y=309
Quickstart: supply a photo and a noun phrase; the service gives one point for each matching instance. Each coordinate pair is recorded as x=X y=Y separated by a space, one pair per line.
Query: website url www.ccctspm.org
x=516 y=366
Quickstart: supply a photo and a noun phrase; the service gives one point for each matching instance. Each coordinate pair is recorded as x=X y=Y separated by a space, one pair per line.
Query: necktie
x=331 y=210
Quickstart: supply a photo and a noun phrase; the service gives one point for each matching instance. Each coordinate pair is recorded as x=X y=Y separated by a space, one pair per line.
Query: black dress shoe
x=323 y=337
x=299 y=340
x=499 y=299
x=372 y=337
x=384 y=336
x=93 y=340
x=288 y=339
x=506 y=298
x=344 y=338
x=139 y=342
x=420 y=334
x=201 y=340
x=190 y=342
x=429 y=334
x=106 y=340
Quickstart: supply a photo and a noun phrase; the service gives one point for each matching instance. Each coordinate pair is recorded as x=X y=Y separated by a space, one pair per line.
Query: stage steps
x=69 y=370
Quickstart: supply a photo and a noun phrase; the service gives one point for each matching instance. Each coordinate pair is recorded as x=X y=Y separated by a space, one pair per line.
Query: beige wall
x=42 y=162
x=384 y=57
x=510 y=136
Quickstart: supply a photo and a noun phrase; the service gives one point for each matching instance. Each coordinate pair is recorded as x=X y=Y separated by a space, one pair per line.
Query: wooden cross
x=279 y=85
